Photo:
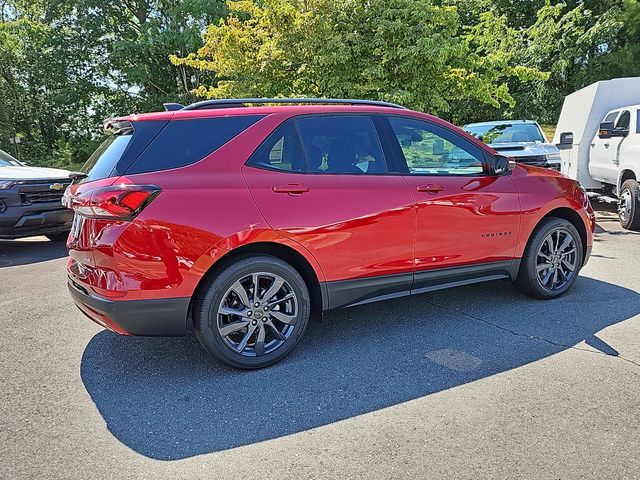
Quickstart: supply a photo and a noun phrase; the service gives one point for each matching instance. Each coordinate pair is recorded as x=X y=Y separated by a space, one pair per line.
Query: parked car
x=30 y=200
x=523 y=140
x=247 y=220
x=599 y=136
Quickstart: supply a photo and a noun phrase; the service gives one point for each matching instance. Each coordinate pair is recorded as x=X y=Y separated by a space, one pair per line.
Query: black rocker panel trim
x=348 y=293
x=426 y=281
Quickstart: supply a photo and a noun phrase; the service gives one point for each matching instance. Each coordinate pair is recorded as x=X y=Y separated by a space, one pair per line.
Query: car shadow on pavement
x=167 y=399
x=24 y=252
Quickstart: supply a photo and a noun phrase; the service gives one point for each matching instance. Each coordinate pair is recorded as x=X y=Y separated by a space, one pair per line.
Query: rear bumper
x=18 y=222
x=161 y=317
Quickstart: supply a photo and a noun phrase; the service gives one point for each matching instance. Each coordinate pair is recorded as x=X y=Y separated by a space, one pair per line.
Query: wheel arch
x=572 y=216
x=625 y=174
x=279 y=250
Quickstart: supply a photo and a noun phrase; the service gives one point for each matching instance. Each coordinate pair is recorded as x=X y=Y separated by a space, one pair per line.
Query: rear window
x=104 y=159
x=118 y=151
x=183 y=142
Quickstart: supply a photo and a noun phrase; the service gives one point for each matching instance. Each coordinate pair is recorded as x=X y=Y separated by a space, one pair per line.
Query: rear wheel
x=253 y=313
x=629 y=205
x=552 y=259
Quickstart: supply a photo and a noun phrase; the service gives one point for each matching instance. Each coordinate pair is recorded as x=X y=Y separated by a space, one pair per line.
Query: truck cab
x=615 y=148
x=598 y=135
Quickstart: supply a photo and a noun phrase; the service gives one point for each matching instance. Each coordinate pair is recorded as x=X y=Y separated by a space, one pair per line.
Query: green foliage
x=406 y=51
x=67 y=65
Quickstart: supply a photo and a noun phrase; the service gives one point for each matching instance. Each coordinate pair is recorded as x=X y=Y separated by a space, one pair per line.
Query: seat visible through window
x=341 y=144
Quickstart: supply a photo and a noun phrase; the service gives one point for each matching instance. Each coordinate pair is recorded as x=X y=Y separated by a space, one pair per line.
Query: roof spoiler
x=172 y=107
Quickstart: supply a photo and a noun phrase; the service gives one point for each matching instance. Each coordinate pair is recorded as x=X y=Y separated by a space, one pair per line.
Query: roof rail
x=240 y=102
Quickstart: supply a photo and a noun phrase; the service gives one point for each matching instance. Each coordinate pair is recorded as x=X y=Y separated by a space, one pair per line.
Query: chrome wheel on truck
x=629 y=205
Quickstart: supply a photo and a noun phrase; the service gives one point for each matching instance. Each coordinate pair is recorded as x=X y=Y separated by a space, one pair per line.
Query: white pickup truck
x=598 y=135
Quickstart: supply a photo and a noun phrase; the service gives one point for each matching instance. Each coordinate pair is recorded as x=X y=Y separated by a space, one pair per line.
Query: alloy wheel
x=257 y=314
x=556 y=262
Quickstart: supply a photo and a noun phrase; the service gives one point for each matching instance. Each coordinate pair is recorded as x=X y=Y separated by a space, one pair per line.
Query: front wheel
x=629 y=205
x=253 y=313
x=552 y=259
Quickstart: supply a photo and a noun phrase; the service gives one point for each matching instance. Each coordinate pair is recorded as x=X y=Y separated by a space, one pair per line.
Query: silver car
x=521 y=139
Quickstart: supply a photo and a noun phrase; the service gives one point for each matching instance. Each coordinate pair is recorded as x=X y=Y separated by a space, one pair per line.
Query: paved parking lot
x=475 y=382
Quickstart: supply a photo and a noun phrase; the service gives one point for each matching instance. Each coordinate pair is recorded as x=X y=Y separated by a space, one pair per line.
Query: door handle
x=430 y=188
x=291 y=189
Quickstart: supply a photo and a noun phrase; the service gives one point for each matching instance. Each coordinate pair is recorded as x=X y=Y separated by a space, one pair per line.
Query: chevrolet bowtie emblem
x=56 y=186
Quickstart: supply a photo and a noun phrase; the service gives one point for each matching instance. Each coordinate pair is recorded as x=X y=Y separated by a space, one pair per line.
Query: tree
x=66 y=66
x=406 y=51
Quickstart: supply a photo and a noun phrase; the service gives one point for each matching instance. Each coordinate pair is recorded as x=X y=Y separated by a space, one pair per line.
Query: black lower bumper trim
x=161 y=317
x=28 y=224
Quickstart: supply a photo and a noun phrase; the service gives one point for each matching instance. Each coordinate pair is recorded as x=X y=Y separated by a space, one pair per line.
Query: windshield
x=7 y=160
x=104 y=159
x=506 y=132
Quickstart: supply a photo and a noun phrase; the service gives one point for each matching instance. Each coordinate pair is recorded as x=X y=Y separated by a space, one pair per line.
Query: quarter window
x=432 y=150
x=341 y=144
x=183 y=142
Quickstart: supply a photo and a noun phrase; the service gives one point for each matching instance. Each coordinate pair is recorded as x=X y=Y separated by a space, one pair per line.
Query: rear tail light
x=117 y=202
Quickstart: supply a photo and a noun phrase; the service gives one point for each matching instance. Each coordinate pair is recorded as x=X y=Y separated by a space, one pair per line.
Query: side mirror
x=503 y=164
x=606 y=130
x=566 y=141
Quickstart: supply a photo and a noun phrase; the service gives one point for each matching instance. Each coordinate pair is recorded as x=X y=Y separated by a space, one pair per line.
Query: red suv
x=247 y=220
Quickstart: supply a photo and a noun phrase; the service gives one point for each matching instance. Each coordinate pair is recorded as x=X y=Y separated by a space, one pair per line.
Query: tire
x=255 y=337
x=58 y=237
x=629 y=205
x=538 y=255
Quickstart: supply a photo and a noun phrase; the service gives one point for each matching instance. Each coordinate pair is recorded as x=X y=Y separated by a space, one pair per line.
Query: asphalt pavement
x=473 y=382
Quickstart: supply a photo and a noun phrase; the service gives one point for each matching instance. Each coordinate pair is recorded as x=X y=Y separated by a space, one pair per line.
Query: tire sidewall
x=532 y=253
x=633 y=220
x=206 y=324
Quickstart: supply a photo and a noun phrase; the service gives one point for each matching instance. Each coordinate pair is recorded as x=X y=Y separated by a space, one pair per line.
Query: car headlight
x=5 y=184
x=553 y=157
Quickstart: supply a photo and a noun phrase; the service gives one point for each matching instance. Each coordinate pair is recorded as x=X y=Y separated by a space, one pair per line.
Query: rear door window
x=183 y=142
x=346 y=144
